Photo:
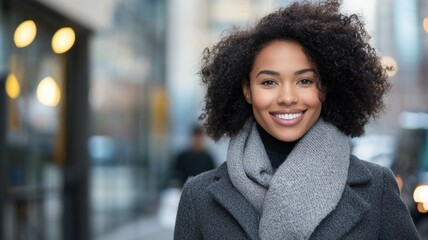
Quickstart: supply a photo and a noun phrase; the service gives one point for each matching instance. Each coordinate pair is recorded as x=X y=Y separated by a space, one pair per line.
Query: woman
x=289 y=93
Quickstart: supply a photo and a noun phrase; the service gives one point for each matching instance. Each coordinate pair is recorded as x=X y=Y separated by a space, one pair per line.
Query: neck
x=277 y=150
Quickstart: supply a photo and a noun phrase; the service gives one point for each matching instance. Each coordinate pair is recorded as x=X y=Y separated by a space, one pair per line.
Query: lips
x=289 y=118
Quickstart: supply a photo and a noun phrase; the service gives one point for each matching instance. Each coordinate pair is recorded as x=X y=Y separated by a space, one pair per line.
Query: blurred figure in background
x=193 y=160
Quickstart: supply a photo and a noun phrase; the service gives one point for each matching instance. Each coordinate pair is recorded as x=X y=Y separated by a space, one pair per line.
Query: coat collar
x=226 y=195
x=358 y=173
x=351 y=207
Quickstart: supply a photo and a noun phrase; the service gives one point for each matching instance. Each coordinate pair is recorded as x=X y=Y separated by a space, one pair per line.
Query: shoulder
x=181 y=155
x=376 y=170
x=361 y=171
x=200 y=183
x=384 y=196
x=184 y=152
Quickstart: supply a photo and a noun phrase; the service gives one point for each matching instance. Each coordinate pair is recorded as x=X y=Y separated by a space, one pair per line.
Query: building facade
x=83 y=132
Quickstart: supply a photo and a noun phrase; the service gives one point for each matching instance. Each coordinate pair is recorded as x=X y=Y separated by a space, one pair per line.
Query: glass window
x=35 y=135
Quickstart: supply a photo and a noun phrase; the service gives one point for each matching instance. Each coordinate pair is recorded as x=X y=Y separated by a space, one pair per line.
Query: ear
x=247 y=91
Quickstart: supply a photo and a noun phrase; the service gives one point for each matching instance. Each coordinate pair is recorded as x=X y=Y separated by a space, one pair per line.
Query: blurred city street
x=99 y=99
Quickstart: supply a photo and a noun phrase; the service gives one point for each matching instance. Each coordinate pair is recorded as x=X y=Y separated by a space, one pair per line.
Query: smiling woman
x=283 y=91
x=289 y=92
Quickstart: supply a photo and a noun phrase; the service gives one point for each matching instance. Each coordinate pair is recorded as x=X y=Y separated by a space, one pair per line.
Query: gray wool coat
x=370 y=208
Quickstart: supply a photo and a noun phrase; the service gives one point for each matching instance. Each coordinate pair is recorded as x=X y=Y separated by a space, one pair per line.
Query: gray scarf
x=309 y=184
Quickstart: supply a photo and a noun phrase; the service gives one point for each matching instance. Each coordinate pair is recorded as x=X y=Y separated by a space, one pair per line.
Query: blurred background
x=97 y=97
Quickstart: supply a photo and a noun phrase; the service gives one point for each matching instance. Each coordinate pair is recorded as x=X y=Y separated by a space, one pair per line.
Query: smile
x=290 y=116
x=288 y=119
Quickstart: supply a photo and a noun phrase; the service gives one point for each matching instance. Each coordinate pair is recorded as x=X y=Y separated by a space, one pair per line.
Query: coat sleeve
x=396 y=220
x=186 y=225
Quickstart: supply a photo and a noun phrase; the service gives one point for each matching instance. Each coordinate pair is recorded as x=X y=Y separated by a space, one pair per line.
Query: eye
x=305 y=82
x=268 y=82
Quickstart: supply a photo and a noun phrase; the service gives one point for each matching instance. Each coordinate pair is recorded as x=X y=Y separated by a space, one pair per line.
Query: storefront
x=43 y=124
x=83 y=131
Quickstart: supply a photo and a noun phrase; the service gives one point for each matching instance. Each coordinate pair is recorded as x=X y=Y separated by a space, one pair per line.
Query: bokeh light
x=48 y=92
x=12 y=86
x=63 y=40
x=25 y=33
x=421 y=194
x=389 y=62
x=421 y=208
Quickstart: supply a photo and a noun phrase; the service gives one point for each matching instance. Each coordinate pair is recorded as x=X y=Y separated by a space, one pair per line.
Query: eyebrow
x=299 y=72
x=268 y=72
x=304 y=71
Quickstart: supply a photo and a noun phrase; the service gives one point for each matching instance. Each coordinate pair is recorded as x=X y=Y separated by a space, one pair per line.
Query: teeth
x=288 y=116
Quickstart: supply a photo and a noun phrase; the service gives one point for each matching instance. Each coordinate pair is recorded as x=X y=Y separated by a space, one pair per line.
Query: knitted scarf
x=309 y=184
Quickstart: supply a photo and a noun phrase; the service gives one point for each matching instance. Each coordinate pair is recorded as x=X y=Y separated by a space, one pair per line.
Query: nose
x=287 y=95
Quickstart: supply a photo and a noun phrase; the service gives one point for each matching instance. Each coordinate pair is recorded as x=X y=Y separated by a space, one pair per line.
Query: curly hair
x=349 y=68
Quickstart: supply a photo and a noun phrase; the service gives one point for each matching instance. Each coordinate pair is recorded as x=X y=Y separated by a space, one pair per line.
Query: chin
x=287 y=138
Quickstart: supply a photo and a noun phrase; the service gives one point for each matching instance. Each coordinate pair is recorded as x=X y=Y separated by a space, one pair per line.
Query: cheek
x=312 y=98
x=262 y=99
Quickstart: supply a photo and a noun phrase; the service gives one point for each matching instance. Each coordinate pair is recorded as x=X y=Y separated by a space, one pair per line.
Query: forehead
x=282 y=54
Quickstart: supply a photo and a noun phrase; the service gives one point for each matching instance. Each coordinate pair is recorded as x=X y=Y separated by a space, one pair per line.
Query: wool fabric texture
x=309 y=184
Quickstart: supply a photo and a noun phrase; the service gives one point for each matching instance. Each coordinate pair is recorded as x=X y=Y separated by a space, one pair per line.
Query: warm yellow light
x=421 y=194
x=25 y=33
x=63 y=40
x=390 y=62
x=48 y=92
x=425 y=204
x=425 y=24
x=12 y=86
x=422 y=208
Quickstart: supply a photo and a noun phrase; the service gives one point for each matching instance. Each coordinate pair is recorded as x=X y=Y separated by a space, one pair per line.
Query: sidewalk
x=159 y=226
x=145 y=229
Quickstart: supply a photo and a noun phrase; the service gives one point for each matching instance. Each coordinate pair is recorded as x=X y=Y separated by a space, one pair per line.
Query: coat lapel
x=351 y=208
x=226 y=195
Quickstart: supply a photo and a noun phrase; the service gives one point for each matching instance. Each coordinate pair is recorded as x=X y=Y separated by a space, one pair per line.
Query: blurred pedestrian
x=289 y=92
x=193 y=160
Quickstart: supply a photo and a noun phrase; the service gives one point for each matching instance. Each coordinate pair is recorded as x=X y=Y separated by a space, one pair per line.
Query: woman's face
x=283 y=90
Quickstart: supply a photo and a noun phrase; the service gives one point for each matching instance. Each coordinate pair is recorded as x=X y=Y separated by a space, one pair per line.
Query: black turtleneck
x=276 y=150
